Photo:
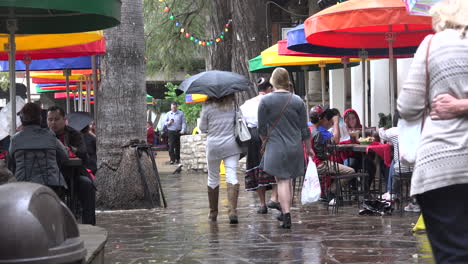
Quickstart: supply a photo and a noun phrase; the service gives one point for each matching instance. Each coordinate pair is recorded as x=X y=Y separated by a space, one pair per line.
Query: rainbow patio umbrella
x=296 y=42
x=195 y=98
x=270 y=57
x=52 y=17
x=74 y=75
x=420 y=7
x=368 y=24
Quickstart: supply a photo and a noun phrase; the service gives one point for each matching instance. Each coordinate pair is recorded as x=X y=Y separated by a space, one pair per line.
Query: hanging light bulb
x=177 y=24
x=171 y=17
x=166 y=9
x=182 y=30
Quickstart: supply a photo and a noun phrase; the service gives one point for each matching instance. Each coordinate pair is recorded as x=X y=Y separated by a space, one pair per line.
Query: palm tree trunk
x=122 y=113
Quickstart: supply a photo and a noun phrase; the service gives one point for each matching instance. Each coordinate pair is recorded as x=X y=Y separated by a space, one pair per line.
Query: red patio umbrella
x=368 y=24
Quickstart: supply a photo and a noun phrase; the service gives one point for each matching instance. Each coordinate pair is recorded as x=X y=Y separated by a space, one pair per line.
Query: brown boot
x=213 y=195
x=233 y=194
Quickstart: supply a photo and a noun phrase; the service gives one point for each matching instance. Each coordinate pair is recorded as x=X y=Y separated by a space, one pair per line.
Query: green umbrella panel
x=256 y=66
x=59 y=16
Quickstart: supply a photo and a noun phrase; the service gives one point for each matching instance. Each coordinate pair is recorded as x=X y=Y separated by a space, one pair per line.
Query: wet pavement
x=182 y=234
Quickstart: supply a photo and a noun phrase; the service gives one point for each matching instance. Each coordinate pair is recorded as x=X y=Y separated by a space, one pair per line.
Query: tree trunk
x=219 y=55
x=248 y=37
x=122 y=113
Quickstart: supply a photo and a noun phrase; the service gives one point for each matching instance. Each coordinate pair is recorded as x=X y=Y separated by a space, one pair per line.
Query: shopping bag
x=311 y=188
x=408 y=139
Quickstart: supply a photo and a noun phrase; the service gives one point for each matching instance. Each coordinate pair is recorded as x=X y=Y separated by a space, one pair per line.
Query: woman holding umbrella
x=221 y=145
x=282 y=126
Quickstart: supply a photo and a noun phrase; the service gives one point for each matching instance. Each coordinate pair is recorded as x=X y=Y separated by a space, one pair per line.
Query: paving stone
x=181 y=233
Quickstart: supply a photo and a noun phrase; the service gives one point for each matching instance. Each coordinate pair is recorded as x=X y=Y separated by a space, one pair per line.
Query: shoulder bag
x=241 y=131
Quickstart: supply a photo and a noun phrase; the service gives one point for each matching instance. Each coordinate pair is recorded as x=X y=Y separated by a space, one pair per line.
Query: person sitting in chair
x=322 y=120
x=35 y=153
x=73 y=140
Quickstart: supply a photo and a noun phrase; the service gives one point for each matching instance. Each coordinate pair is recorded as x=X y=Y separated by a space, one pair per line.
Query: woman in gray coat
x=282 y=125
x=217 y=120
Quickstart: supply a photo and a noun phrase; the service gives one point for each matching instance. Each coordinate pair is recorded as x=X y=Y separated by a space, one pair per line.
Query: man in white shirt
x=175 y=123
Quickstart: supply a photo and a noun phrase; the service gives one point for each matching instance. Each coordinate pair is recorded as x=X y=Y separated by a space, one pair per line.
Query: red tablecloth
x=383 y=150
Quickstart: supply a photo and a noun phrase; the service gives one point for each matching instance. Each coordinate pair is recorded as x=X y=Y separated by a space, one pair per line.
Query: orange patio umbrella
x=367 y=24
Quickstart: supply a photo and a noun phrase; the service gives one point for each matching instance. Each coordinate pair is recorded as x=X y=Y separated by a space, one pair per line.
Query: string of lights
x=198 y=40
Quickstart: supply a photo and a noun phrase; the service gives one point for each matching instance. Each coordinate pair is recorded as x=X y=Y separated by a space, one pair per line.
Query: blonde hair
x=225 y=103
x=450 y=14
x=280 y=79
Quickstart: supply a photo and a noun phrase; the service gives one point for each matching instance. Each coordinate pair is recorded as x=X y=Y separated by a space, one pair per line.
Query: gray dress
x=284 y=154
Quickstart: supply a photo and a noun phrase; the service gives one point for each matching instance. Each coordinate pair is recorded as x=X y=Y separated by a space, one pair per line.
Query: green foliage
x=167 y=49
x=385 y=121
x=4 y=80
x=191 y=111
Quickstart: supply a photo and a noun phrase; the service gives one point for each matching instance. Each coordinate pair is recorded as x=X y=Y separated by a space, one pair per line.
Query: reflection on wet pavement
x=182 y=234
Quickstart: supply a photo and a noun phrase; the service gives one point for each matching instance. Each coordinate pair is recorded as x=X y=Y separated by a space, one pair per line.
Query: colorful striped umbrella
x=368 y=24
x=195 y=98
x=420 y=7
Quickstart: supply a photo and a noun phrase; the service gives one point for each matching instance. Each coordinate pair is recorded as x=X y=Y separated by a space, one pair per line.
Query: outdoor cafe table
x=72 y=169
x=383 y=151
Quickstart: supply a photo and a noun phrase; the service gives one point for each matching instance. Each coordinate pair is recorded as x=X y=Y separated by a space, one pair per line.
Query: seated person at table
x=73 y=140
x=35 y=153
x=322 y=120
x=344 y=135
x=353 y=123
x=393 y=187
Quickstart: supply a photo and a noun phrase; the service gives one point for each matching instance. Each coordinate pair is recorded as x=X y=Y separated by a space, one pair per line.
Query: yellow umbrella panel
x=271 y=57
x=49 y=41
x=58 y=76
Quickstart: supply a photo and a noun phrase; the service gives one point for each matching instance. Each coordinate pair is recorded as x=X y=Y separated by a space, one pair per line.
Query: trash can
x=36 y=227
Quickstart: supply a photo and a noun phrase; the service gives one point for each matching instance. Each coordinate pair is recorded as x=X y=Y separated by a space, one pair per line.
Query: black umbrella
x=215 y=83
x=79 y=120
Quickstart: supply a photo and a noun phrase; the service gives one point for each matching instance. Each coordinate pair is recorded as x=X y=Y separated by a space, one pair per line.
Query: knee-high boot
x=233 y=195
x=213 y=195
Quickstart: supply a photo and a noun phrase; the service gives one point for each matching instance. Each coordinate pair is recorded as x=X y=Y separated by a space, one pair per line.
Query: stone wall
x=193 y=154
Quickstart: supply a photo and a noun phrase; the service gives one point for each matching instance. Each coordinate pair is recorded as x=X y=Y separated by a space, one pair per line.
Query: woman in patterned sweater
x=440 y=177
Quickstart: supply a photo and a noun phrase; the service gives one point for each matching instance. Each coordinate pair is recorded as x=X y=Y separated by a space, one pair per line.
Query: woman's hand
x=446 y=107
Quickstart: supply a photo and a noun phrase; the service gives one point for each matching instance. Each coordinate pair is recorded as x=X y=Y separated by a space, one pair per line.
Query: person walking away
x=73 y=140
x=175 y=122
x=255 y=179
x=282 y=126
x=440 y=176
x=35 y=153
x=217 y=120
x=149 y=133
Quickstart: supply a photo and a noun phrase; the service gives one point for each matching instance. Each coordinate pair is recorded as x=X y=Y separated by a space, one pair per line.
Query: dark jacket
x=35 y=155
x=74 y=140
x=90 y=142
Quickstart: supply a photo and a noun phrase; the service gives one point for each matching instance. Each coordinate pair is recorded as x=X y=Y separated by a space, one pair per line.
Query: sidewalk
x=182 y=234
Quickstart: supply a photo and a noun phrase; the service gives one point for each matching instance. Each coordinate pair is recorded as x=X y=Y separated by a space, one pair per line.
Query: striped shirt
x=391 y=135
